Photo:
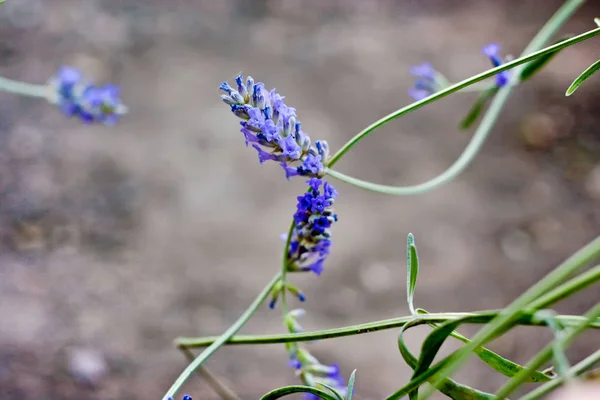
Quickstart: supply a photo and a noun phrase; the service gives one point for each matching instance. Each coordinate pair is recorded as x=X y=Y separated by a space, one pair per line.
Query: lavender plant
x=271 y=127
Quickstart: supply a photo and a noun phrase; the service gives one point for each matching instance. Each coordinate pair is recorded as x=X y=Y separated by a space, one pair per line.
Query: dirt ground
x=115 y=241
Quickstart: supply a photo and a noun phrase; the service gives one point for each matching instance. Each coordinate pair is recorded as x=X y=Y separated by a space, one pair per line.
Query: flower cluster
x=427 y=83
x=185 y=397
x=311 y=237
x=271 y=126
x=77 y=97
x=492 y=52
x=308 y=367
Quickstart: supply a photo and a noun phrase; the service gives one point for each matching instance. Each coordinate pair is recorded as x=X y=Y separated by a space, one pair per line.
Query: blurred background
x=115 y=241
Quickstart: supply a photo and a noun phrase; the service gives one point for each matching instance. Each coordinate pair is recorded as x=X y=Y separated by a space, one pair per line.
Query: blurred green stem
x=507 y=317
x=480 y=134
x=546 y=353
x=577 y=369
x=23 y=88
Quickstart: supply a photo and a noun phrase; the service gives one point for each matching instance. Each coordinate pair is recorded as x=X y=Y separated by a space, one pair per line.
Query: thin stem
x=575 y=370
x=232 y=330
x=538 y=42
x=511 y=313
x=219 y=387
x=567 y=320
x=23 y=88
x=284 y=267
x=546 y=353
x=568 y=288
x=478 y=138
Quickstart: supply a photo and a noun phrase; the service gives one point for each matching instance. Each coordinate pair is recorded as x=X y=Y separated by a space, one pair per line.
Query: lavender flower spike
x=427 y=83
x=272 y=128
x=492 y=52
x=77 y=97
x=311 y=237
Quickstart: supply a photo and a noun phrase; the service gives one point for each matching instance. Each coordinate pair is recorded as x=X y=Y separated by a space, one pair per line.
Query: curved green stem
x=512 y=313
x=284 y=267
x=577 y=369
x=479 y=136
x=284 y=391
x=23 y=88
x=526 y=319
x=546 y=353
x=232 y=330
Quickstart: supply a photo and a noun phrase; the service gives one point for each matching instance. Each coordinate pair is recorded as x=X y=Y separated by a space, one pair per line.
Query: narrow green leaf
x=432 y=344
x=477 y=108
x=536 y=65
x=449 y=387
x=458 y=391
x=561 y=362
x=407 y=355
x=332 y=390
x=351 y=385
x=591 y=70
x=494 y=360
x=284 y=391
x=412 y=270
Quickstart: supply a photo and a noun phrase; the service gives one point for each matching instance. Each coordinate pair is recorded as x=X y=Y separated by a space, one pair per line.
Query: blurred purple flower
x=76 y=97
x=492 y=51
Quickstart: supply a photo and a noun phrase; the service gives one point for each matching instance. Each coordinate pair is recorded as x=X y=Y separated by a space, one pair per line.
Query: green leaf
x=448 y=386
x=477 y=108
x=496 y=361
x=332 y=390
x=351 y=385
x=412 y=270
x=561 y=362
x=531 y=68
x=284 y=391
x=591 y=70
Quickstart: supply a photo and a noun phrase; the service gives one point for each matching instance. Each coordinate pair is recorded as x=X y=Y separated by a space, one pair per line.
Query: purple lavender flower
x=310 y=242
x=427 y=83
x=271 y=126
x=492 y=52
x=77 y=97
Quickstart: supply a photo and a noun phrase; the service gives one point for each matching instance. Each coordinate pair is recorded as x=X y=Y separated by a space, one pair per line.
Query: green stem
x=284 y=267
x=232 y=330
x=219 y=387
x=546 y=353
x=526 y=319
x=479 y=136
x=511 y=313
x=568 y=288
x=577 y=369
x=23 y=88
